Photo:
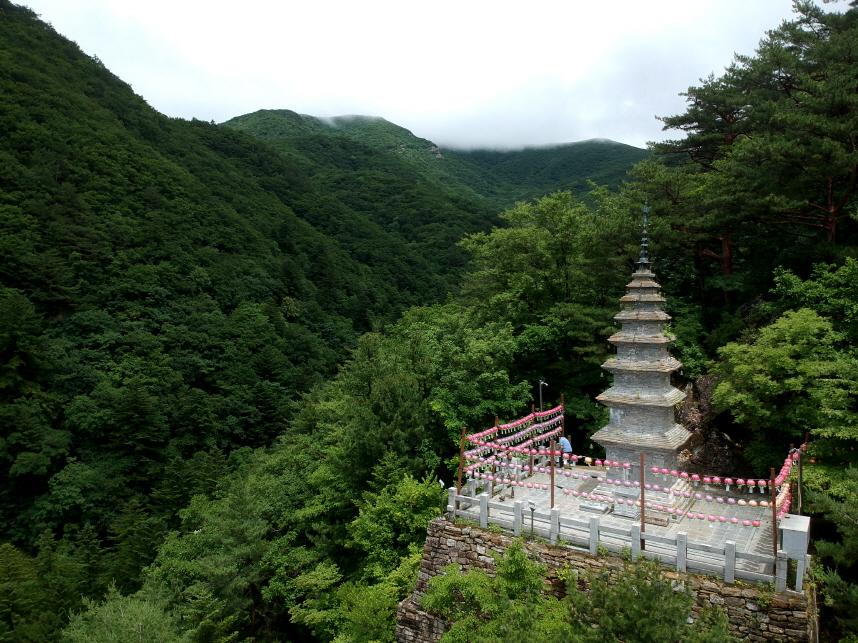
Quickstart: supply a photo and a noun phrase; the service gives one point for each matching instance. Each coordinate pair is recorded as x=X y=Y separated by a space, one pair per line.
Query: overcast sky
x=462 y=73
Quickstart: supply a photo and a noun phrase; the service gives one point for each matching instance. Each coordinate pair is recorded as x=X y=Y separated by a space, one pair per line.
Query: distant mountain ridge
x=502 y=176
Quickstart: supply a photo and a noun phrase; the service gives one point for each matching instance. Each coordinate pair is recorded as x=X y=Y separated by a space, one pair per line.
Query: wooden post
x=563 y=425
x=774 y=503
x=531 y=444
x=800 y=481
x=643 y=502
x=551 y=470
x=509 y=472
x=461 y=461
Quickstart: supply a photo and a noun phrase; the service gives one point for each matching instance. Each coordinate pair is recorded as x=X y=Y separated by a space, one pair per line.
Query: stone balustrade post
x=729 y=561
x=484 y=510
x=681 y=551
x=594 y=535
x=554 y=530
x=636 y=541
x=802 y=565
x=781 y=565
x=517 y=517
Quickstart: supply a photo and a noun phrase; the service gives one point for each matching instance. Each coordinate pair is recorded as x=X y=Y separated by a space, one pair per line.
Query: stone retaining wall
x=755 y=613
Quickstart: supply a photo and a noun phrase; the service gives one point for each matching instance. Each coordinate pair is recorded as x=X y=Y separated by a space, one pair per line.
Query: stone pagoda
x=642 y=399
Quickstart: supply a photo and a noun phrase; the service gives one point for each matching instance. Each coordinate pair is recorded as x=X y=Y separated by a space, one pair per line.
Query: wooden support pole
x=643 y=502
x=461 y=461
x=563 y=425
x=532 y=407
x=551 y=469
x=774 y=503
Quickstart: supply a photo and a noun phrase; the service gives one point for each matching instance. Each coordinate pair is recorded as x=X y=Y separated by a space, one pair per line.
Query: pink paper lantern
x=746 y=523
x=684 y=475
x=740 y=481
x=719 y=500
x=695 y=477
x=598 y=463
x=734 y=520
x=698 y=496
x=752 y=503
x=742 y=503
x=722 y=518
x=728 y=481
x=709 y=498
x=707 y=480
x=716 y=480
x=530 y=485
x=711 y=518
x=731 y=501
x=756 y=523
x=663 y=471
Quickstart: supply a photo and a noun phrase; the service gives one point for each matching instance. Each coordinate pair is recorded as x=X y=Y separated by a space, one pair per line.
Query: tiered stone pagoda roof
x=641 y=372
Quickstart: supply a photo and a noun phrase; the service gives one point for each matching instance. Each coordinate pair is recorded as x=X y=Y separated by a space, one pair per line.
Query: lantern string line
x=520 y=438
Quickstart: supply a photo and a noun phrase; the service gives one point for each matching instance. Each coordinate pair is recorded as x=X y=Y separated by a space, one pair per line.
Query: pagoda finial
x=643 y=261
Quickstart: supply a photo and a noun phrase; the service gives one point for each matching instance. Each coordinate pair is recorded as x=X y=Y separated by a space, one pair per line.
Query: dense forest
x=236 y=359
x=501 y=177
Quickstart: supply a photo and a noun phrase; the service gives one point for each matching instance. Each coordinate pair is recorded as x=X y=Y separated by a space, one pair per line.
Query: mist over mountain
x=502 y=176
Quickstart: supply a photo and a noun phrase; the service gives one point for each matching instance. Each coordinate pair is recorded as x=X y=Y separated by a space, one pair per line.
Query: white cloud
x=463 y=73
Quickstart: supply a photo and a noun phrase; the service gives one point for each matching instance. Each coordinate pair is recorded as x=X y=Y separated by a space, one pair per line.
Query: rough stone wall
x=754 y=612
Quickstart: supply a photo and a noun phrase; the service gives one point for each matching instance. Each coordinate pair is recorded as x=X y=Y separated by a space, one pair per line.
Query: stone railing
x=754 y=612
x=588 y=534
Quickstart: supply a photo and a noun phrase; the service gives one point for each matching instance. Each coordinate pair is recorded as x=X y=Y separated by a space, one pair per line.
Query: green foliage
x=639 y=604
x=509 y=606
x=122 y=619
x=793 y=377
x=392 y=521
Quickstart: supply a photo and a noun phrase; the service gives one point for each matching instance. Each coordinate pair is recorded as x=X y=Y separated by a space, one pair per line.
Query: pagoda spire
x=644 y=262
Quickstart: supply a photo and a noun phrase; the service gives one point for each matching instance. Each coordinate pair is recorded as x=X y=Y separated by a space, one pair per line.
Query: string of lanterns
x=540 y=426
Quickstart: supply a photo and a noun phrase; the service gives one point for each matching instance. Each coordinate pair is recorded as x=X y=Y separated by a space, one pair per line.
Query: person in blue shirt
x=566 y=447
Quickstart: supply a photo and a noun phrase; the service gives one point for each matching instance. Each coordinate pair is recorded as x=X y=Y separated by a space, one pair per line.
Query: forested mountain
x=501 y=176
x=168 y=289
x=234 y=365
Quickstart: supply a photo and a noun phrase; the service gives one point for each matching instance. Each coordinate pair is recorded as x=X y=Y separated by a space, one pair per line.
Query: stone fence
x=675 y=550
x=755 y=612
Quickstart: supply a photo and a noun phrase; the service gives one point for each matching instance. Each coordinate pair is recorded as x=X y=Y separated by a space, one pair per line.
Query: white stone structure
x=642 y=399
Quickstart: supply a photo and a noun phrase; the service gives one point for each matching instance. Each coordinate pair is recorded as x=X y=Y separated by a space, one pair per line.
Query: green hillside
x=501 y=177
x=532 y=172
x=169 y=289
